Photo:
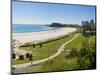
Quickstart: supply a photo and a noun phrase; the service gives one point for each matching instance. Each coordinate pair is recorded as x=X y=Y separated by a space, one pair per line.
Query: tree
x=21 y=57
x=13 y=56
x=85 y=26
x=92 y=22
x=33 y=45
x=92 y=57
x=88 y=27
x=82 y=57
x=30 y=57
x=86 y=56
x=27 y=55
x=57 y=25
x=92 y=25
x=40 y=45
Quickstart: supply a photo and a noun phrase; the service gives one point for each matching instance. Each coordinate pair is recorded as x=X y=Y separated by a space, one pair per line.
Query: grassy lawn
x=61 y=62
x=91 y=39
x=19 y=61
x=46 y=50
x=75 y=44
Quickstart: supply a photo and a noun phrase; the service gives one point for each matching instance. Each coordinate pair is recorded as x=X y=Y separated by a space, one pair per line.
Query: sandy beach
x=43 y=35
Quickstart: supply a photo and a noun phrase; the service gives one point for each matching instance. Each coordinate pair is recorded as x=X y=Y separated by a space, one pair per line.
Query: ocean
x=24 y=28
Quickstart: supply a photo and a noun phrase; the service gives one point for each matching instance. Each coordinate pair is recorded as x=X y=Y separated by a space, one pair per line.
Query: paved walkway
x=59 y=50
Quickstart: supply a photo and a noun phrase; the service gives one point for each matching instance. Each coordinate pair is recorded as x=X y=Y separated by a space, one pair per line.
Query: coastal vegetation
x=51 y=37
x=64 y=25
x=47 y=49
x=79 y=54
x=79 y=57
x=89 y=28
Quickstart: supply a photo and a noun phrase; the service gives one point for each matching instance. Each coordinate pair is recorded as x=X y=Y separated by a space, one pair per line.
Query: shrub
x=33 y=45
x=40 y=45
x=27 y=55
x=21 y=57
x=30 y=57
x=73 y=53
x=13 y=56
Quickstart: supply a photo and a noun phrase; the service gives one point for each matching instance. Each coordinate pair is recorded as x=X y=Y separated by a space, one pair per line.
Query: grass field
x=61 y=62
x=46 y=50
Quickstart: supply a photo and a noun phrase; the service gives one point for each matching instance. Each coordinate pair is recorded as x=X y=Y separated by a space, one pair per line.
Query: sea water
x=24 y=28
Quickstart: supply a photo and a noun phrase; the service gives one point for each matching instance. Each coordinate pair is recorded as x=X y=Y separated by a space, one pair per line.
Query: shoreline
x=46 y=31
x=42 y=36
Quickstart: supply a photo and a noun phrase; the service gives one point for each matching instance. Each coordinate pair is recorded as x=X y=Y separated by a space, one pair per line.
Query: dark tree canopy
x=30 y=57
x=64 y=25
x=21 y=57
x=89 y=27
x=27 y=55
x=87 y=56
x=13 y=56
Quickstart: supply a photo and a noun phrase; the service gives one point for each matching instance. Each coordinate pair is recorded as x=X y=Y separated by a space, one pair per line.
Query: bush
x=21 y=57
x=73 y=53
x=33 y=45
x=40 y=45
x=27 y=55
x=30 y=57
x=86 y=56
x=13 y=56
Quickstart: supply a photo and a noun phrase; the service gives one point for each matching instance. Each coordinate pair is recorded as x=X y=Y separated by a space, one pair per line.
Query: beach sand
x=43 y=35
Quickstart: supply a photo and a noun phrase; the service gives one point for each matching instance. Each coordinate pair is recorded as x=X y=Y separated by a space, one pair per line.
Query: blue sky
x=42 y=13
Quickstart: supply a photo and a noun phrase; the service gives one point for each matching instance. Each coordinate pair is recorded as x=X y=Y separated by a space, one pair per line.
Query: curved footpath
x=59 y=50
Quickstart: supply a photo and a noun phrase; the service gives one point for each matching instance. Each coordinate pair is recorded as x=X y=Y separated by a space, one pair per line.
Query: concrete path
x=59 y=50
